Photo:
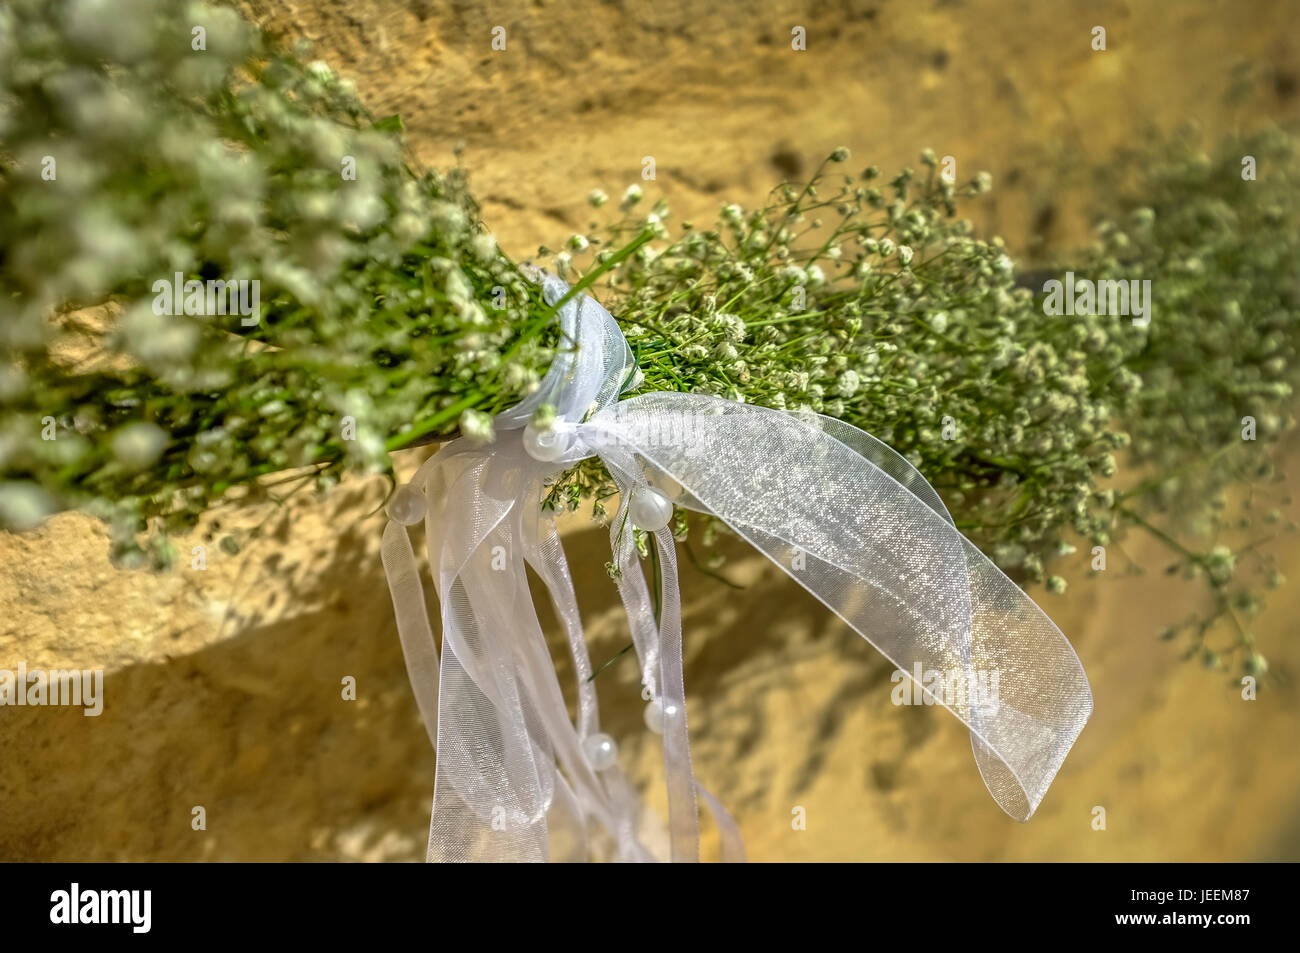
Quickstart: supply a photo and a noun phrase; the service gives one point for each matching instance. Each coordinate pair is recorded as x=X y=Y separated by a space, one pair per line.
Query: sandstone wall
x=223 y=686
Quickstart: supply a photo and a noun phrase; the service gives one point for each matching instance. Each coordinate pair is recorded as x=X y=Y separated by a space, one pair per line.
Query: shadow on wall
x=254 y=729
x=789 y=711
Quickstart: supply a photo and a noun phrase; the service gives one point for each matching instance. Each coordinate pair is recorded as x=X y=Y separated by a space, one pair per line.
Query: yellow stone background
x=222 y=687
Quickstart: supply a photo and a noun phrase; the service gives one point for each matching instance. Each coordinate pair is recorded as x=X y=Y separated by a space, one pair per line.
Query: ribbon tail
x=413 y=629
x=883 y=557
x=545 y=553
x=732 y=846
x=495 y=777
x=659 y=647
x=683 y=811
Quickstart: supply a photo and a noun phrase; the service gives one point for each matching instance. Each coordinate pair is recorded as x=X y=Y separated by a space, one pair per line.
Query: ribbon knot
x=840 y=512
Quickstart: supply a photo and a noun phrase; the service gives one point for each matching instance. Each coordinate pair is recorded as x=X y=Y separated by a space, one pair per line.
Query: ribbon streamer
x=844 y=515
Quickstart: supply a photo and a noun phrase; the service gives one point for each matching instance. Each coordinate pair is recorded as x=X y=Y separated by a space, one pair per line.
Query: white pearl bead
x=406 y=505
x=659 y=713
x=546 y=445
x=650 y=509
x=600 y=750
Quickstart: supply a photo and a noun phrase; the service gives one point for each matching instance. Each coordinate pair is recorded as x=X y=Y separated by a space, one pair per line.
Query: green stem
x=531 y=331
x=611 y=660
x=1159 y=534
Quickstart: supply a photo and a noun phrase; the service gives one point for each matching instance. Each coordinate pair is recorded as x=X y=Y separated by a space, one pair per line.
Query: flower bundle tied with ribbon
x=517 y=779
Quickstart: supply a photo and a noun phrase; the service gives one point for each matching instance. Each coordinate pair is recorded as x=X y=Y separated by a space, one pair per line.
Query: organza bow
x=844 y=515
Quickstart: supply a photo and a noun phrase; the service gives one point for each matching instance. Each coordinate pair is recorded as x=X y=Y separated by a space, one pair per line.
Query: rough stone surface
x=223 y=687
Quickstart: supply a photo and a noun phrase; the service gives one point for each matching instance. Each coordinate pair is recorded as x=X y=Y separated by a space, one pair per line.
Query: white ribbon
x=844 y=515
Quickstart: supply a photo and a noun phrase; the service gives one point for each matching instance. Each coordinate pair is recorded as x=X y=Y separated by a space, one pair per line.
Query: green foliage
x=874 y=303
x=227 y=162
x=388 y=315
x=908 y=319
x=1223 y=253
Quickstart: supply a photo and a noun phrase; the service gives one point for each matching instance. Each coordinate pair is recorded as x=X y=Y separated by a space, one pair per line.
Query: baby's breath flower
x=847 y=384
x=732 y=326
x=476 y=427
x=23 y=505
x=1221 y=563
x=484 y=246
x=139 y=445
x=450 y=219
x=519 y=378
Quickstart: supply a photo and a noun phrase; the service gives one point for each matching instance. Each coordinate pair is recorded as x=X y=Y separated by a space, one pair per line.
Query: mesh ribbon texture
x=844 y=515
